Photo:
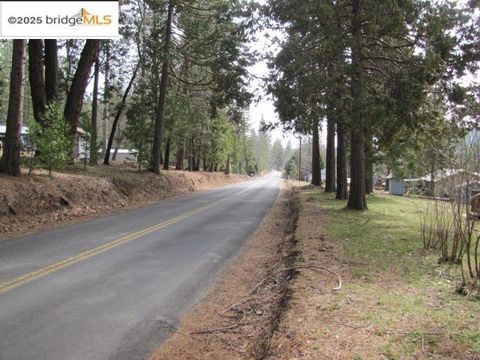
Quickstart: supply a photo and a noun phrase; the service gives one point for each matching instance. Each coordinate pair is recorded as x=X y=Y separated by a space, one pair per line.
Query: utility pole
x=300 y=160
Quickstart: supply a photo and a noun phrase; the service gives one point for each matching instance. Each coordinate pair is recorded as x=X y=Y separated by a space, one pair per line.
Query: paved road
x=115 y=287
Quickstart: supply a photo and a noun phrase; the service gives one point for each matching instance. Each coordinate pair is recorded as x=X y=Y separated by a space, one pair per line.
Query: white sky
x=263 y=105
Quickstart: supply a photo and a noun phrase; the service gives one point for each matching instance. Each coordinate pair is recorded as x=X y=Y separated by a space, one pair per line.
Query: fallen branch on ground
x=356 y=327
x=212 y=331
x=314 y=267
x=317 y=267
x=241 y=303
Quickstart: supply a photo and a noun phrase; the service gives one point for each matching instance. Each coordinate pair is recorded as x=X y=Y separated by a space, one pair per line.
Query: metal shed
x=396 y=186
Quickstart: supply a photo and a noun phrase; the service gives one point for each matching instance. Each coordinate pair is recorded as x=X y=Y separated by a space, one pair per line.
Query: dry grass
x=34 y=202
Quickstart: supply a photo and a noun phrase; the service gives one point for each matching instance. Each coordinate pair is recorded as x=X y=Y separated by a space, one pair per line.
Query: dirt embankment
x=37 y=201
x=238 y=317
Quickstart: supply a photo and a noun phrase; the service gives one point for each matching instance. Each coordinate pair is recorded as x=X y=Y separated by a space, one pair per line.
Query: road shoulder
x=237 y=318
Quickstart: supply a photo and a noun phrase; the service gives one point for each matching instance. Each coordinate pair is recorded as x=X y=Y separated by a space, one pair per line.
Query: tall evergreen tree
x=10 y=162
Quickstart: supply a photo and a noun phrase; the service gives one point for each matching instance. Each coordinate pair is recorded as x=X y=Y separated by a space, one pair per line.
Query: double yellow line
x=21 y=280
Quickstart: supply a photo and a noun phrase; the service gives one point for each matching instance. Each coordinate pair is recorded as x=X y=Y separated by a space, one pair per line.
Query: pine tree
x=10 y=162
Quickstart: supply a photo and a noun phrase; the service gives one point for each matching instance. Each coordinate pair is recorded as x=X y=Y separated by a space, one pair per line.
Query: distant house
x=468 y=190
x=447 y=182
x=80 y=146
x=3 y=131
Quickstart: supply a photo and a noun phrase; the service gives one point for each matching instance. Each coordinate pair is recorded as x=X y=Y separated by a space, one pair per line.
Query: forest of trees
x=173 y=90
x=388 y=81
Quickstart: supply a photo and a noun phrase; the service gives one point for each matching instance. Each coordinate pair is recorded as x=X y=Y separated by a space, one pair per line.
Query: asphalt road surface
x=116 y=287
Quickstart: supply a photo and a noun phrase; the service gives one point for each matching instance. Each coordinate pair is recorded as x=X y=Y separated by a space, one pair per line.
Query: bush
x=53 y=142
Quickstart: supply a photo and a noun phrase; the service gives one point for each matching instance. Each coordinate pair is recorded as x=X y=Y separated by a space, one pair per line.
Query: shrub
x=53 y=142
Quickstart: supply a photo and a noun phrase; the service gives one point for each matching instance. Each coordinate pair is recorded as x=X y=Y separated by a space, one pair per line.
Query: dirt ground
x=238 y=316
x=34 y=202
x=310 y=328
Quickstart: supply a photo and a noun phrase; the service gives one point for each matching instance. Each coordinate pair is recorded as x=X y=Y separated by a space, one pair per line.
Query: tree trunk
x=180 y=158
x=342 y=184
x=330 y=161
x=74 y=103
x=197 y=163
x=342 y=191
x=70 y=57
x=166 y=162
x=300 y=160
x=93 y=134
x=227 y=167
x=199 y=158
x=316 y=171
x=191 y=155
x=160 y=112
x=106 y=96
x=115 y=153
x=10 y=163
x=106 y=159
x=433 y=165
x=357 y=199
x=51 y=70
x=188 y=156
x=37 y=80
x=368 y=167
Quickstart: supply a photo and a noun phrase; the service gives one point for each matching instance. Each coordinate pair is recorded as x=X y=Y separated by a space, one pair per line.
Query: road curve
x=115 y=287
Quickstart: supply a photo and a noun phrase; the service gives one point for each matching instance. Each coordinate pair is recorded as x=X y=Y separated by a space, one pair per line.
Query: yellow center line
x=21 y=280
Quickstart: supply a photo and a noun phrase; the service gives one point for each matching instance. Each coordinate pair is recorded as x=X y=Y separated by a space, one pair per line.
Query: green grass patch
x=407 y=293
x=386 y=237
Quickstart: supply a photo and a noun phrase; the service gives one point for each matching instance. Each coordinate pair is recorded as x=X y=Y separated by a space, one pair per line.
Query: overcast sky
x=262 y=105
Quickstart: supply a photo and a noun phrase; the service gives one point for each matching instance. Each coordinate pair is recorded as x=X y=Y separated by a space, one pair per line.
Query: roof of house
x=3 y=129
x=123 y=151
x=392 y=176
x=442 y=174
